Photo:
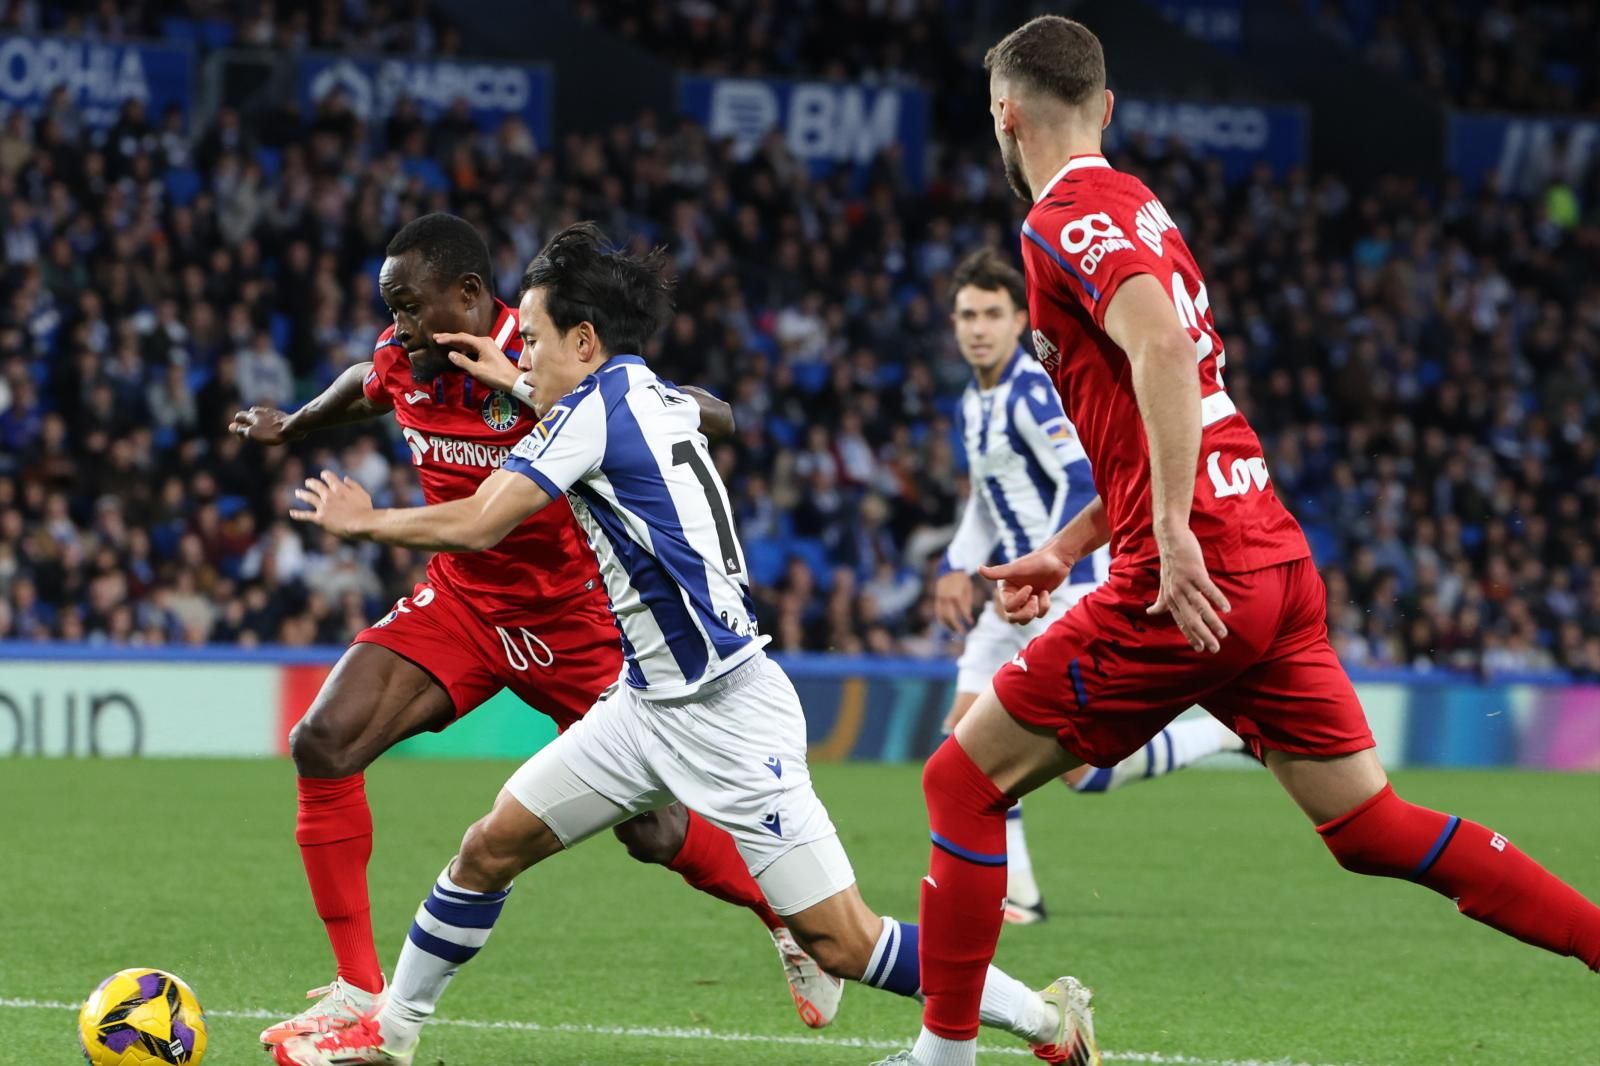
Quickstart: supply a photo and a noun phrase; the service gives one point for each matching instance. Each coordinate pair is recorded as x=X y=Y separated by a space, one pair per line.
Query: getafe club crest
x=500 y=411
x=1047 y=353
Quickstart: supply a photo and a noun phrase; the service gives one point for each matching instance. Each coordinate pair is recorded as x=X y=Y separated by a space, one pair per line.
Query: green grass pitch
x=1203 y=909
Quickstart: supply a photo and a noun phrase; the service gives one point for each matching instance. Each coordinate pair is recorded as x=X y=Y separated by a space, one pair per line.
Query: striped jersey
x=625 y=448
x=1028 y=472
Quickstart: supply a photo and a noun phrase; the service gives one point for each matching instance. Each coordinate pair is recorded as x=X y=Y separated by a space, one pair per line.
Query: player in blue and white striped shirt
x=703 y=716
x=1029 y=477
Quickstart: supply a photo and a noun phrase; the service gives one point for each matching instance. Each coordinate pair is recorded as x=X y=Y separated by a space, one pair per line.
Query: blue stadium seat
x=766 y=557
x=811 y=377
x=228 y=506
x=270 y=160
x=183 y=185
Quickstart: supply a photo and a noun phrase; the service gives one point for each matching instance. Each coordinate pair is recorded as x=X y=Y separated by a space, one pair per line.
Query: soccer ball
x=142 y=1018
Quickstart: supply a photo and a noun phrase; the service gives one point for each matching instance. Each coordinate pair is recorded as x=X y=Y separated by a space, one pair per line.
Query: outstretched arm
x=486 y=363
x=341 y=402
x=473 y=523
x=1023 y=586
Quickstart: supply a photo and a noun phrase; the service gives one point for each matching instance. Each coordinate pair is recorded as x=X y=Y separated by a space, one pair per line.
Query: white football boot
x=816 y=994
x=899 y=1058
x=360 y=1044
x=1074 y=1043
x=341 y=1004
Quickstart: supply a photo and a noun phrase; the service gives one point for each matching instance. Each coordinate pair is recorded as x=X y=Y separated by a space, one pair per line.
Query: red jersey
x=1093 y=229
x=459 y=433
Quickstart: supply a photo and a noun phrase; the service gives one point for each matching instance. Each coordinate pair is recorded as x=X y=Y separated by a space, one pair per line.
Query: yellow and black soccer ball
x=142 y=1018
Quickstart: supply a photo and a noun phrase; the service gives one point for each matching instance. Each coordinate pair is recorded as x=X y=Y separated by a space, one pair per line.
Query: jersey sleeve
x=974 y=541
x=374 y=386
x=1045 y=430
x=1090 y=247
x=565 y=446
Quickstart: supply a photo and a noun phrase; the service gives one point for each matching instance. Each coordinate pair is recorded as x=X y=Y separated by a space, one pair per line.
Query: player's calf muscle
x=839 y=933
x=500 y=845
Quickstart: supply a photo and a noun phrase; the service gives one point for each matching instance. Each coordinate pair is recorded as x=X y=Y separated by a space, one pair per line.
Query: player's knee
x=320 y=748
x=1376 y=838
x=951 y=778
x=487 y=861
x=655 y=837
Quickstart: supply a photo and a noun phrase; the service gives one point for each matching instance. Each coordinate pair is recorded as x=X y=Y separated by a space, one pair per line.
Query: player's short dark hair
x=1054 y=55
x=450 y=246
x=988 y=270
x=627 y=298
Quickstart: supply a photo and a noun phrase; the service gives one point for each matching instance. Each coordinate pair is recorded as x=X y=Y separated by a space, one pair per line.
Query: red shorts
x=557 y=660
x=1107 y=677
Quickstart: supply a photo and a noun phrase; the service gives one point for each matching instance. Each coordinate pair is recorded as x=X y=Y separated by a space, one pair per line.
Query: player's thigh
x=559 y=662
x=655 y=836
x=959 y=706
x=374 y=698
x=1017 y=757
x=737 y=757
x=1102 y=680
x=502 y=844
x=1326 y=787
x=1296 y=699
x=594 y=775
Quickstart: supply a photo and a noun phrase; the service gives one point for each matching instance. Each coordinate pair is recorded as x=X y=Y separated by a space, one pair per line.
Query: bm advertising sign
x=825 y=124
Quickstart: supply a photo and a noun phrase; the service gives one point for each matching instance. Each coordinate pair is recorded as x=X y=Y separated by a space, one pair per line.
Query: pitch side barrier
x=98 y=700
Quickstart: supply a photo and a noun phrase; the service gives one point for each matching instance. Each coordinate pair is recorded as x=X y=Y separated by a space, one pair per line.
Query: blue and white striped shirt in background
x=1028 y=471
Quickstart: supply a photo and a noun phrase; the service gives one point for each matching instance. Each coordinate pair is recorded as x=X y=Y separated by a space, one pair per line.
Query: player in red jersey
x=1212 y=597
x=530 y=615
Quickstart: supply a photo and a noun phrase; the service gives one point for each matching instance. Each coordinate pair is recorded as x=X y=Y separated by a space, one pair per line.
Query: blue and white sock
x=1007 y=1003
x=451 y=927
x=1021 y=888
x=1175 y=747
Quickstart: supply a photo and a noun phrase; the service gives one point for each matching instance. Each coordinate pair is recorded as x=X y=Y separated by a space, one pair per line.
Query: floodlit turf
x=1202 y=908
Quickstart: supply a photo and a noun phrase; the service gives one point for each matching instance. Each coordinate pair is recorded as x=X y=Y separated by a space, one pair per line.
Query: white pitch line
x=636 y=1032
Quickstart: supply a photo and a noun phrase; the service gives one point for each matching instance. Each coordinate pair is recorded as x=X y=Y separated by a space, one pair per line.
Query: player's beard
x=1011 y=160
x=426 y=366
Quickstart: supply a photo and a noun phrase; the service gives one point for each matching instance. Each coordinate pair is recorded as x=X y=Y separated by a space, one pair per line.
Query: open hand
x=263 y=425
x=481 y=358
x=338 y=504
x=1188 y=593
x=1023 y=586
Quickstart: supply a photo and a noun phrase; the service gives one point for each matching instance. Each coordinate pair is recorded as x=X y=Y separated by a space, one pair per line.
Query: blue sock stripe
x=439 y=947
x=904 y=976
x=1150 y=758
x=1166 y=734
x=960 y=852
x=1432 y=857
x=463 y=915
x=1098 y=781
x=875 y=977
x=471 y=897
x=1014 y=814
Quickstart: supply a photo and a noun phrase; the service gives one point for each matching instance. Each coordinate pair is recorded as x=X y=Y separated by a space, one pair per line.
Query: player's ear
x=1111 y=105
x=471 y=291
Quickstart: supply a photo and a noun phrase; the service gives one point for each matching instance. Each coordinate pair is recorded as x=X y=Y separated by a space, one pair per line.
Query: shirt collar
x=1077 y=162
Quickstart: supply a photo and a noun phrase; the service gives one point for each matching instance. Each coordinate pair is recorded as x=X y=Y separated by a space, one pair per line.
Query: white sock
x=1011 y=1005
x=450 y=927
x=1021 y=888
x=933 y=1050
x=1175 y=747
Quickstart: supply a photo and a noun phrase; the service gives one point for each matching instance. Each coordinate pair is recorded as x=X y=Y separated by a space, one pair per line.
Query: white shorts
x=734 y=753
x=993 y=641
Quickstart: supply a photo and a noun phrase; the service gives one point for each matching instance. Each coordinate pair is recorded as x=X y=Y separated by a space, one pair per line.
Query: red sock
x=1485 y=874
x=964 y=892
x=710 y=862
x=334 y=832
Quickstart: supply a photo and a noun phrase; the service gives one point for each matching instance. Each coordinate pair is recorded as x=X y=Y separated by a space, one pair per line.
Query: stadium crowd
x=1421 y=368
